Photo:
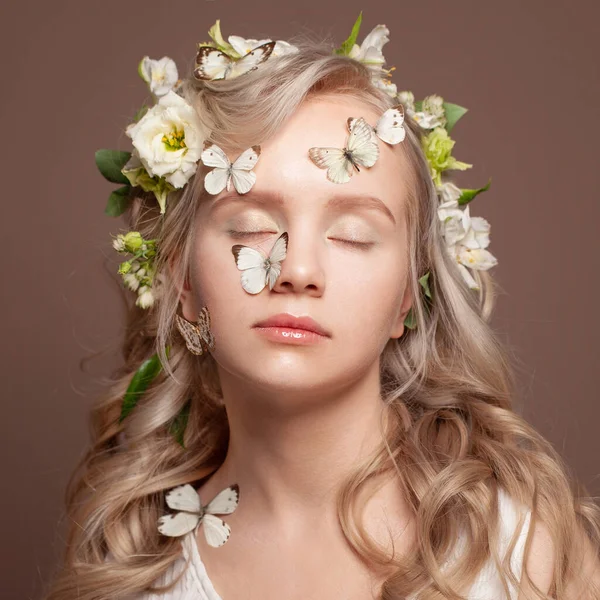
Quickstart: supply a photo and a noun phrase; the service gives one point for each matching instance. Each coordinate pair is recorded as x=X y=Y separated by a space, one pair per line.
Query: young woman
x=351 y=456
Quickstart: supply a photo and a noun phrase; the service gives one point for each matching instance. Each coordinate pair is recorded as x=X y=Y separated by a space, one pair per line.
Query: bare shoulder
x=539 y=563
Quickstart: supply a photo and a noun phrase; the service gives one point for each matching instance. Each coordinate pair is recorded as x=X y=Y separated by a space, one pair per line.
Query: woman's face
x=358 y=293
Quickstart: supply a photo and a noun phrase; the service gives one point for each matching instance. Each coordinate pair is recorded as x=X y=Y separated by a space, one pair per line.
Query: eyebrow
x=336 y=201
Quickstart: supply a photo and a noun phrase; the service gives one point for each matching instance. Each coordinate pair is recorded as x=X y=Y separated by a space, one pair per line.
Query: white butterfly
x=212 y=63
x=259 y=269
x=225 y=171
x=389 y=127
x=185 y=499
x=361 y=149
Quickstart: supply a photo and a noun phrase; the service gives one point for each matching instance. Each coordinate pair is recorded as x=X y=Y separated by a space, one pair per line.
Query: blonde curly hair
x=452 y=439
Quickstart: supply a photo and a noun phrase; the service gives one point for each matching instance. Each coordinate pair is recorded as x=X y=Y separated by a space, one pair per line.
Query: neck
x=290 y=452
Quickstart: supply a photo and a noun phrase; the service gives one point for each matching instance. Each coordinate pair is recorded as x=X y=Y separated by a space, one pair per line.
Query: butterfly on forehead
x=212 y=63
x=225 y=172
x=389 y=126
x=361 y=150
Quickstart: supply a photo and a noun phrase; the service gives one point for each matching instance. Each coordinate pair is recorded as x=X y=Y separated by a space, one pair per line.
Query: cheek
x=370 y=292
x=215 y=277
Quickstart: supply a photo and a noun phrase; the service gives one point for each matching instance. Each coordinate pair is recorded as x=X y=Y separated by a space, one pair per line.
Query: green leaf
x=425 y=284
x=118 y=201
x=139 y=383
x=349 y=42
x=179 y=423
x=468 y=195
x=110 y=163
x=418 y=105
x=410 y=321
x=453 y=113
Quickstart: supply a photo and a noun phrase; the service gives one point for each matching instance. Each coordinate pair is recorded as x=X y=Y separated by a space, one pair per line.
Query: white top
x=196 y=585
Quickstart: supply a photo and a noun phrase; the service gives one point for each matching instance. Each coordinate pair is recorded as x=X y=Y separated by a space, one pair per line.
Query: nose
x=301 y=269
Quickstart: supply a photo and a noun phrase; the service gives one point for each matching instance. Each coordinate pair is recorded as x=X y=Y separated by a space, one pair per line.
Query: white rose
x=160 y=75
x=168 y=139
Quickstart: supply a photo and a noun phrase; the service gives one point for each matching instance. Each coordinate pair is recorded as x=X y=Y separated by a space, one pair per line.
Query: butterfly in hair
x=258 y=268
x=185 y=499
x=225 y=172
x=389 y=126
x=198 y=337
x=361 y=150
x=212 y=63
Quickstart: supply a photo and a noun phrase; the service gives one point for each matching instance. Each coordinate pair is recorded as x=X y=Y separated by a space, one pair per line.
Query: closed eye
x=360 y=245
x=246 y=234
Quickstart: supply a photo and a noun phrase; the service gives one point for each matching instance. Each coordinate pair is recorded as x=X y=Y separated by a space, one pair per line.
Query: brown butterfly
x=212 y=63
x=198 y=337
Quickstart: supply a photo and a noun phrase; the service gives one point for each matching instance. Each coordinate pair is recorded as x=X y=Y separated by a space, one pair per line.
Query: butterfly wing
x=216 y=180
x=225 y=502
x=204 y=327
x=241 y=170
x=339 y=168
x=390 y=126
x=216 y=531
x=251 y=60
x=361 y=144
x=252 y=263
x=190 y=334
x=211 y=63
x=277 y=254
x=177 y=524
x=183 y=497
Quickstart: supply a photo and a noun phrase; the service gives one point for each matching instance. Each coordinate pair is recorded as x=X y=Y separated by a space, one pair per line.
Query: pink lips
x=288 y=320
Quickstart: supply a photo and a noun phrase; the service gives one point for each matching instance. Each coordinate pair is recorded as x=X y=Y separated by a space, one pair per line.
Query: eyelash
x=245 y=234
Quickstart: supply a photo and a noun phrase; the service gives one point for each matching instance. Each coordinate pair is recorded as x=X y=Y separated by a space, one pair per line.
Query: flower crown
x=168 y=142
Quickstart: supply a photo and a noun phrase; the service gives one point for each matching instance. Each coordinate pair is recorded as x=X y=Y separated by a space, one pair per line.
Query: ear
x=186 y=295
x=398 y=328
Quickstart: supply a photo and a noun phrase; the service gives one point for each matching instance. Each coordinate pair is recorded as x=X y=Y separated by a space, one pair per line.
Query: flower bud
x=133 y=241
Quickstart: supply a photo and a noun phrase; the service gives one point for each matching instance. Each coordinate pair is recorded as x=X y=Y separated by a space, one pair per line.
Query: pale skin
x=302 y=416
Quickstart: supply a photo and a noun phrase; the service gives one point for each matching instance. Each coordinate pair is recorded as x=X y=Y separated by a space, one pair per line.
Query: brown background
x=528 y=72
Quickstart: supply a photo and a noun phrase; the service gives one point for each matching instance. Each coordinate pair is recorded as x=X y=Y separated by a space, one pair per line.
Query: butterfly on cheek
x=389 y=127
x=259 y=269
x=361 y=150
x=225 y=172
x=212 y=63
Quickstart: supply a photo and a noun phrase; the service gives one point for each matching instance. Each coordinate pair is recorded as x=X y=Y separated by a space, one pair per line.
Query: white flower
x=386 y=85
x=370 y=51
x=169 y=139
x=242 y=46
x=466 y=238
x=449 y=193
x=119 y=243
x=161 y=75
x=131 y=281
x=428 y=121
x=408 y=100
x=145 y=297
